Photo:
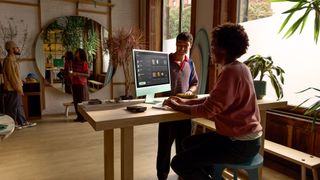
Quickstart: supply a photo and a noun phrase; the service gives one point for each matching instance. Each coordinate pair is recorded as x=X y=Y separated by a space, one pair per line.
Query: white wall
x=299 y=55
x=204 y=15
x=124 y=14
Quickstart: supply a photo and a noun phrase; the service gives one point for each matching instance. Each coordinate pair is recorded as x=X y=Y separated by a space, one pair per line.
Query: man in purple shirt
x=184 y=79
x=231 y=104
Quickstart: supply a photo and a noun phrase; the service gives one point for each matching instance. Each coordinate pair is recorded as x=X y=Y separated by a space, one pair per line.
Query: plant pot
x=260 y=88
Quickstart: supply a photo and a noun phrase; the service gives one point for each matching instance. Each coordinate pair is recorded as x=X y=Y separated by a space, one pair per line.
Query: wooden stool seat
x=67 y=104
x=252 y=167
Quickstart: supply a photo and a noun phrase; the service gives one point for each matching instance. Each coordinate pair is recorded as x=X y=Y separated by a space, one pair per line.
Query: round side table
x=6 y=120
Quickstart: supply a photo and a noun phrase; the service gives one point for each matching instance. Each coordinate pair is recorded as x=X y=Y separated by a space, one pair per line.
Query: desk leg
x=263 y=116
x=127 y=153
x=108 y=155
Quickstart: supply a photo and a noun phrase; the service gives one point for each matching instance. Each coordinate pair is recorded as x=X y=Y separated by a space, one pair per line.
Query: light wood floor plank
x=59 y=149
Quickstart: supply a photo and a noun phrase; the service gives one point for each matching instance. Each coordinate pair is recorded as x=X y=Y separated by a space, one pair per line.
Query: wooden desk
x=108 y=117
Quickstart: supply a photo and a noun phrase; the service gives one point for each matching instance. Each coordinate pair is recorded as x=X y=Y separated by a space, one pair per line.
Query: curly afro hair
x=232 y=38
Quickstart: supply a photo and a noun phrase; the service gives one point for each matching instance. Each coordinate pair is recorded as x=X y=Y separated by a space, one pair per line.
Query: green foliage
x=307 y=6
x=314 y=109
x=73 y=32
x=174 y=21
x=264 y=66
x=91 y=45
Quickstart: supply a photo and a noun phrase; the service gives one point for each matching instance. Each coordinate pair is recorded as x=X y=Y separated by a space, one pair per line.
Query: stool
x=252 y=167
x=67 y=104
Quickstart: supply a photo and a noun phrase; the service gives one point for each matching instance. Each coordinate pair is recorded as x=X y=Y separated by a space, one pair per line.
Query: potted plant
x=264 y=66
x=120 y=46
x=308 y=7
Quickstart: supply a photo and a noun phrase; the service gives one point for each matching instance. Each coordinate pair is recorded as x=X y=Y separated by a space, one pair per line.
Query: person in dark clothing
x=79 y=77
x=184 y=79
x=68 y=58
x=13 y=87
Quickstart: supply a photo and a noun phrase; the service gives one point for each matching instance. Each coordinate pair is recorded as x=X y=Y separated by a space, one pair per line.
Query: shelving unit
x=32 y=100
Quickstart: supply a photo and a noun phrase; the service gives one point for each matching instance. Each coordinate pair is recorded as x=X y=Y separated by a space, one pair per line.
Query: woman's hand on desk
x=176 y=104
x=178 y=100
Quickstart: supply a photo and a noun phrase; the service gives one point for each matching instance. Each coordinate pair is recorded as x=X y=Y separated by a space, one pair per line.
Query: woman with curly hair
x=231 y=104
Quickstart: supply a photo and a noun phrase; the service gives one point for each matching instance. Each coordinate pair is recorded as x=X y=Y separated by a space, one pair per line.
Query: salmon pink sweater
x=232 y=103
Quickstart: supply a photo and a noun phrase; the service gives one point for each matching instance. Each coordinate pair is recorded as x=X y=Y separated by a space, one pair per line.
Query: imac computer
x=151 y=73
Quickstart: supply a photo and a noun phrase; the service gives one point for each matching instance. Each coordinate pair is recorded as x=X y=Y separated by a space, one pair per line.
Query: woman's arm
x=171 y=102
x=80 y=74
x=188 y=101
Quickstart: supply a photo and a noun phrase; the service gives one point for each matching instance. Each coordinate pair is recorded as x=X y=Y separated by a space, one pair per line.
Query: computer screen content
x=151 y=73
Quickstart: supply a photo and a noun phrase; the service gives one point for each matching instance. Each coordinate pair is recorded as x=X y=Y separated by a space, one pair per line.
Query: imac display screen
x=151 y=71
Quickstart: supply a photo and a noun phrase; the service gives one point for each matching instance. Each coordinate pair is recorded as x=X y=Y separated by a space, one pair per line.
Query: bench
x=67 y=105
x=94 y=85
x=305 y=160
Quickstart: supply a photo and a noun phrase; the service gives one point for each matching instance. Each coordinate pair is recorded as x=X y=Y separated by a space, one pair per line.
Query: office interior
x=58 y=148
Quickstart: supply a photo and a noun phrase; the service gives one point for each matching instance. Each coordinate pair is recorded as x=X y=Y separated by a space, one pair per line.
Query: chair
x=252 y=167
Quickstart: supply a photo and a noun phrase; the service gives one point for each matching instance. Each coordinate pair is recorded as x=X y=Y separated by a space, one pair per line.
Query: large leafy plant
x=308 y=6
x=120 y=46
x=263 y=66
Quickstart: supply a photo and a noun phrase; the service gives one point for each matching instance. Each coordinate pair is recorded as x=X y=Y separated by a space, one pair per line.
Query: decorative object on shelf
x=15 y=30
x=120 y=45
x=264 y=65
x=308 y=7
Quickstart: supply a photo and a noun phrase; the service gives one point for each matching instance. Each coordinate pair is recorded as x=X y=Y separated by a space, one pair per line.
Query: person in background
x=13 y=87
x=184 y=79
x=231 y=104
x=79 y=77
x=1 y=87
x=68 y=58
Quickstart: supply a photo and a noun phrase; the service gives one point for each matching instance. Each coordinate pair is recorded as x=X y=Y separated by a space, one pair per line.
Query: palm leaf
x=295 y=26
x=316 y=26
x=285 y=22
x=308 y=89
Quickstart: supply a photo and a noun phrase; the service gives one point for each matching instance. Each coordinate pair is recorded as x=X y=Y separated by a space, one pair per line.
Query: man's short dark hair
x=232 y=38
x=185 y=36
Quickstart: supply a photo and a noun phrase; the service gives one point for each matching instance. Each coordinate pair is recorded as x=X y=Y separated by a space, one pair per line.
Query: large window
x=176 y=19
x=298 y=55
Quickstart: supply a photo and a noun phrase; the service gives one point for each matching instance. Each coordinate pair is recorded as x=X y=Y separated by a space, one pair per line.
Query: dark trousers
x=202 y=151
x=13 y=107
x=2 y=110
x=169 y=132
x=79 y=93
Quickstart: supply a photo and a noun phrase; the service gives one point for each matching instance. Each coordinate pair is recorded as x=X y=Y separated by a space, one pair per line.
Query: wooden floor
x=60 y=149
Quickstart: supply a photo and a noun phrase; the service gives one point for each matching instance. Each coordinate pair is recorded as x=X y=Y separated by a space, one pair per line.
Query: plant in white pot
x=262 y=66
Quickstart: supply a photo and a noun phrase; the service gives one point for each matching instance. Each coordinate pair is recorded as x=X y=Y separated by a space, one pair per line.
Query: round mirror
x=65 y=35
